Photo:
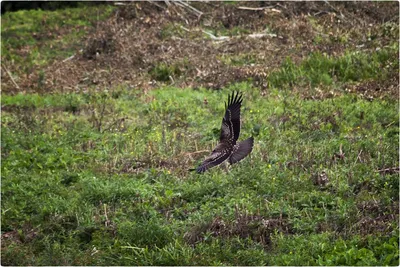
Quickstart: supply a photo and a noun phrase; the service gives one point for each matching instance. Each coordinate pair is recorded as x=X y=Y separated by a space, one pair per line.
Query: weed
x=323 y=69
x=164 y=73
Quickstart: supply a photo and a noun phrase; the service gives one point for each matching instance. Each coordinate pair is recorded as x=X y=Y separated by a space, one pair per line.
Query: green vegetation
x=100 y=177
x=33 y=38
x=323 y=69
x=221 y=30
x=122 y=194
x=164 y=73
x=239 y=60
x=171 y=30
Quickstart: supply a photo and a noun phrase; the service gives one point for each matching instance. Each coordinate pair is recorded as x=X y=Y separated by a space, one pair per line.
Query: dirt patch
x=377 y=89
x=23 y=235
x=376 y=218
x=146 y=44
x=373 y=218
x=256 y=227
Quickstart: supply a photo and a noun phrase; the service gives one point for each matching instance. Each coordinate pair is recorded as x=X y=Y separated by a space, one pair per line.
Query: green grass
x=122 y=193
x=101 y=177
x=239 y=60
x=322 y=69
x=32 y=38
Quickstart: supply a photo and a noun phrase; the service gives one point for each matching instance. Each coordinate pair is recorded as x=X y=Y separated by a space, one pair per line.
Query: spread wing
x=230 y=128
x=230 y=131
x=241 y=150
x=219 y=155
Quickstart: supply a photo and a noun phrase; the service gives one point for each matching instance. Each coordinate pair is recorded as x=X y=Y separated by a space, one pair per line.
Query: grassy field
x=100 y=177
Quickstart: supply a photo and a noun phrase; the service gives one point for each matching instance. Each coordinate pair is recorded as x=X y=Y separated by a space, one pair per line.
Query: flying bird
x=228 y=148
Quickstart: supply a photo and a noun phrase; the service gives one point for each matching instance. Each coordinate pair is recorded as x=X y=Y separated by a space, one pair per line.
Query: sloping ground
x=144 y=44
x=101 y=177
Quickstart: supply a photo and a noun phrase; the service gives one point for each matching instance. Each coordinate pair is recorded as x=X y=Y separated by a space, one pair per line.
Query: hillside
x=105 y=108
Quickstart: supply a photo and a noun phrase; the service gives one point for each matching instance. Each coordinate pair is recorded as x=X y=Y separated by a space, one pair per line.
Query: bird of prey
x=227 y=148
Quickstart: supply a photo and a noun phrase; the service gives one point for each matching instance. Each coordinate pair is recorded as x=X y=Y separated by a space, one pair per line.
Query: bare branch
x=255 y=8
x=184 y=4
x=9 y=75
x=271 y=8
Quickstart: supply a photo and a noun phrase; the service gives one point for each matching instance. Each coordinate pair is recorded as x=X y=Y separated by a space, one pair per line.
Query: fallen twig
x=172 y=80
x=105 y=215
x=260 y=35
x=69 y=58
x=389 y=170
x=255 y=8
x=334 y=9
x=184 y=4
x=225 y=38
x=358 y=157
x=9 y=75
x=155 y=3
x=215 y=38
x=185 y=29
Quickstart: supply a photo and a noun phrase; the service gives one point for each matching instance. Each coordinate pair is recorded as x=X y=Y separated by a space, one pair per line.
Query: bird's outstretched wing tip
x=235 y=97
x=196 y=170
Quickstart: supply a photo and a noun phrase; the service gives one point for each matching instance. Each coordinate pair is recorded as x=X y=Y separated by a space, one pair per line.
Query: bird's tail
x=241 y=150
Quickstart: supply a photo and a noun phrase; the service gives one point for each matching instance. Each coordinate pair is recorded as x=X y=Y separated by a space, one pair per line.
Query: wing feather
x=230 y=128
x=216 y=158
x=241 y=150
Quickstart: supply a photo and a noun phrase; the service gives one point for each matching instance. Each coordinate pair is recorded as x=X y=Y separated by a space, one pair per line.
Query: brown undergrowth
x=143 y=45
x=244 y=225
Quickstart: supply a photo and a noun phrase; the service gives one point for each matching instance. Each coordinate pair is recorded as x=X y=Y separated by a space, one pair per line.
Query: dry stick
x=185 y=29
x=255 y=8
x=220 y=38
x=69 y=58
x=154 y=3
x=358 y=157
x=105 y=214
x=225 y=38
x=172 y=80
x=175 y=8
x=260 y=35
x=390 y=124
x=390 y=170
x=198 y=12
x=334 y=9
x=9 y=75
x=177 y=3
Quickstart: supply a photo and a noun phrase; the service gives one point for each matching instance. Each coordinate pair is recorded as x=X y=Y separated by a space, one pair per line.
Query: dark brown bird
x=227 y=148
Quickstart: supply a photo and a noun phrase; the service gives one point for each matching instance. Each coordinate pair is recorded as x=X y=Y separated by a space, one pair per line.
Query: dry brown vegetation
x=146 y=43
